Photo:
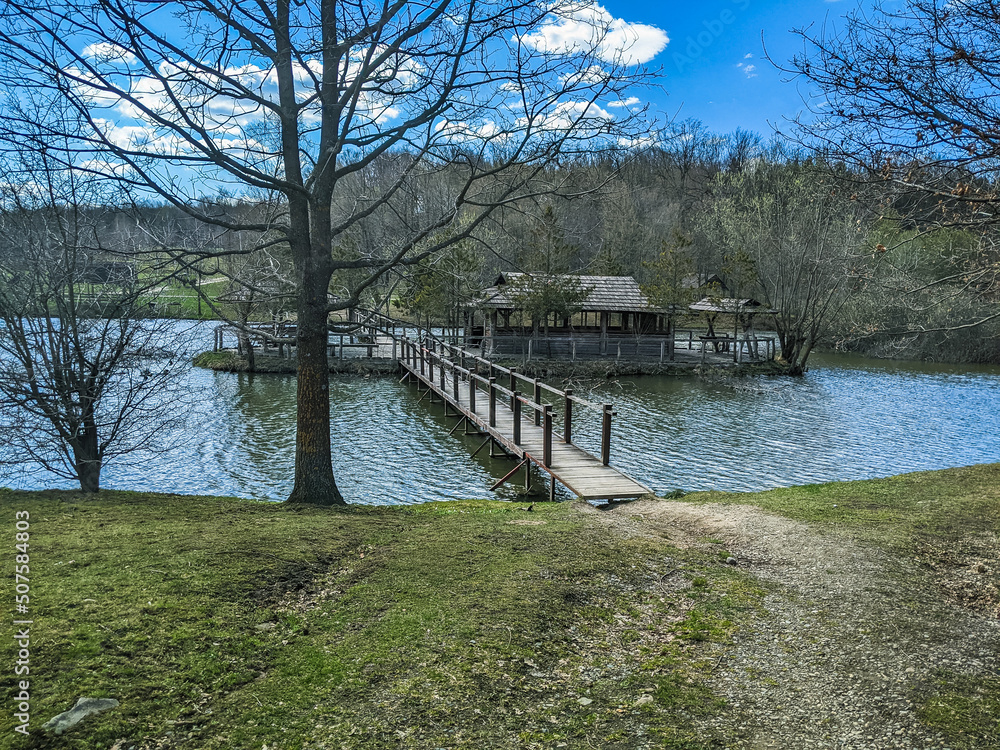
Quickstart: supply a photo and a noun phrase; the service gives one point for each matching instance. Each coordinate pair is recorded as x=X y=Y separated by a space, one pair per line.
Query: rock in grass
x=84 y=707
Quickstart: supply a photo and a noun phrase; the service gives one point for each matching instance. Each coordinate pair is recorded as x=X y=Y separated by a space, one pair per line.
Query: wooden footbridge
x=507 y=408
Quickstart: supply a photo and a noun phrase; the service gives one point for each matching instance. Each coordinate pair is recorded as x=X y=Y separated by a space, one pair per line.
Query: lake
x=847 y=418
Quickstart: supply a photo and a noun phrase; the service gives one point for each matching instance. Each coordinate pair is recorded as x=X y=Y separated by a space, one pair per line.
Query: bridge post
x=493 y=402
x=472 y=394
x=441 y=371
x=454 y=383
x=538 y=400
x=430 y=366
x=568 y=417
x=606 y=436
x=547 y=436
x=516 y=404
x=513 y=385
x=422 y=358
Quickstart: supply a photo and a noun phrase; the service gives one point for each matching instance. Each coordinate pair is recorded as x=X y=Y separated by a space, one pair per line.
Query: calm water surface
x=846 y=419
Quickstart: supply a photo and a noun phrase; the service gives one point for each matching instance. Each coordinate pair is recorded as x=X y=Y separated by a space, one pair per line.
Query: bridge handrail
x=451 y=364
x=389 y=323
x=520 y=376
x=414 y=350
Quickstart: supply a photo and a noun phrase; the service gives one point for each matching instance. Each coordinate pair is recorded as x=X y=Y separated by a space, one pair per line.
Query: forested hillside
x=849 y=262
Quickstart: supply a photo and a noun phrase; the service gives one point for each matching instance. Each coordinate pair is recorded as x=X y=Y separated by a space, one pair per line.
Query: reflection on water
x=846 y=419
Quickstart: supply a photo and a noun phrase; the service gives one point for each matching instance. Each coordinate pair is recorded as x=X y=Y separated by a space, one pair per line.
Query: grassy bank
x=225 y=623
x=222 y=623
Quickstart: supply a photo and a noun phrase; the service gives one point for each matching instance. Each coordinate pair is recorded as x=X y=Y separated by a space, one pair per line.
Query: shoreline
x=230 y=361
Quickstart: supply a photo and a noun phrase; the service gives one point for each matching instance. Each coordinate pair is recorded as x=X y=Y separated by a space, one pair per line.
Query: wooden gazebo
x=613 y=318
x=744 y=312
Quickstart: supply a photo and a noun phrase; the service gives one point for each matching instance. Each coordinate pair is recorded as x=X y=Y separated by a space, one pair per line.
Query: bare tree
x=301 y=100
x=910 y=92
x=908 y=95
x=85 y=377
x=670 y=273
x=256 y=289
x=798 y=242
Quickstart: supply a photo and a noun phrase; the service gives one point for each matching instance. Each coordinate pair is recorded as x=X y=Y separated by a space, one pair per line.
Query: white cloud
x=108 y=168
x=630 y=102
x=587 y=118
x=749 y=70
x=594 y=74
x=107 y=52
x=215 y=102
x=588 y=27
x=646 y=141
x=464 y=132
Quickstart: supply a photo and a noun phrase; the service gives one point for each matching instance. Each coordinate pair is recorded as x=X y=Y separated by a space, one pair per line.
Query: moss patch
x=967 y=710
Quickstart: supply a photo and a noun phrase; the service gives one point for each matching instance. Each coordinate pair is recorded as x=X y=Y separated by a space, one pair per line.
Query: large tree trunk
x=247 y=350
x=314 y=482
x=87 y=459
x=795 y=351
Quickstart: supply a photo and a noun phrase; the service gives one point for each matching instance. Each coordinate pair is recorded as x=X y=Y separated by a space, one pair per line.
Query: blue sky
x=709 y=55
x=713 y=67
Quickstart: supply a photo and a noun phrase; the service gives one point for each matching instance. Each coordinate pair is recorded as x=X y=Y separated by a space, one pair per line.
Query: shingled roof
x=607 y=294
x=730 y=305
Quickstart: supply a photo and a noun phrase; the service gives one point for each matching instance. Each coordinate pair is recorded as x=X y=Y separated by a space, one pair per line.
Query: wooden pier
x=487 y=399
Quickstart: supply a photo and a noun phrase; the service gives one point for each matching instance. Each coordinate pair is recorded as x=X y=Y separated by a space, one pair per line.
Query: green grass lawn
x=227 y=623
x=222 y=623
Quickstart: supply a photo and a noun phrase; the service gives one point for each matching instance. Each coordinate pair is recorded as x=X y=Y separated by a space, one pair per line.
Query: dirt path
x=849 y=634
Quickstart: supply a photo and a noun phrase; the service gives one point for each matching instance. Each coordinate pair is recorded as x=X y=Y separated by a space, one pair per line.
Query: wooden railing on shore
x=369 y=325
x=661 y=348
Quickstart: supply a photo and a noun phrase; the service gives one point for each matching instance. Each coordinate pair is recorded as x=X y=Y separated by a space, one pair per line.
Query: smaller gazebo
x=612 y=318
x=744 y=311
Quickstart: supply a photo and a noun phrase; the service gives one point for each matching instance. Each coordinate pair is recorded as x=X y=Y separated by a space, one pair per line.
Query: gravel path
x=848 y=634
